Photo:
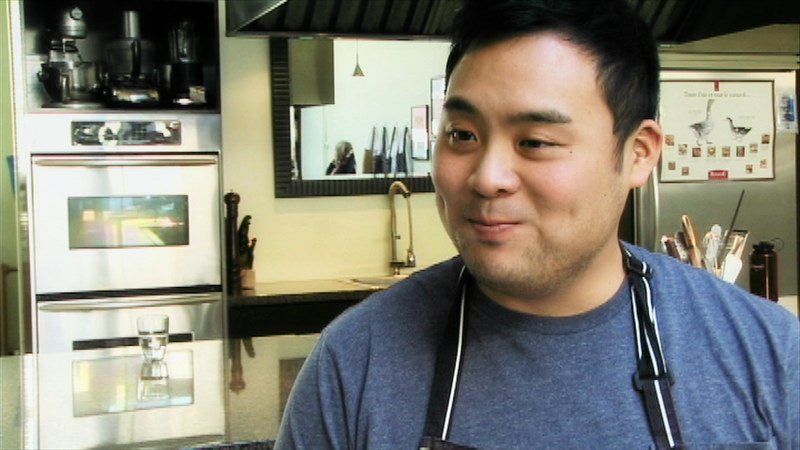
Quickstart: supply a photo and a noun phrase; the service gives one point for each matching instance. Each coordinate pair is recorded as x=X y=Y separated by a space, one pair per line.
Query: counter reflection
x=203 y=393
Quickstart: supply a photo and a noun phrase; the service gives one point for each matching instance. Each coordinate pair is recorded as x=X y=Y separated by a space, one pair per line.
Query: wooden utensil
x=692 y=246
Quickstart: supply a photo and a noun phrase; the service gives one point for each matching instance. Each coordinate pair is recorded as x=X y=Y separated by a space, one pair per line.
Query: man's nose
x=495 y=174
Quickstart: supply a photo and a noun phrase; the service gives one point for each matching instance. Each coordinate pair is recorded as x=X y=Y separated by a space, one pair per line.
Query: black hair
x=627 y=57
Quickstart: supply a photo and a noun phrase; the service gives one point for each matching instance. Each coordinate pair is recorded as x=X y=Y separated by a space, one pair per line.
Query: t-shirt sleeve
x=314 y=417
x=787 y=427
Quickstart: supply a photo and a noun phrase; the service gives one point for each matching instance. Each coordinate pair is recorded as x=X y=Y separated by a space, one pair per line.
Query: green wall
x=8 y=231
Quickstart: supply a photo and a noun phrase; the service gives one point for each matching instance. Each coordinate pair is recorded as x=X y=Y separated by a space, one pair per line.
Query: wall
x=306 y=238
x=298 y=238
x=9 y=304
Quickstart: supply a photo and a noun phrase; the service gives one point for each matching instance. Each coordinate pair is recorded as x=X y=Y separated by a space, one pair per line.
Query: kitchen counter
x=301 y=307
x=292 y=307
x=305 y=291
x=218 y=391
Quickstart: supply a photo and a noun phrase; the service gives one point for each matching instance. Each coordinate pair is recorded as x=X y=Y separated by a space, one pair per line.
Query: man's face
x=525 y=170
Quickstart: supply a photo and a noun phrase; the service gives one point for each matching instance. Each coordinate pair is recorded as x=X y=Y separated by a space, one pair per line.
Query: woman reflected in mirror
x=345 y=161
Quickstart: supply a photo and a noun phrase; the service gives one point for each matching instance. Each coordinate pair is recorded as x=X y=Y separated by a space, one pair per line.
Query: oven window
x=128 y=221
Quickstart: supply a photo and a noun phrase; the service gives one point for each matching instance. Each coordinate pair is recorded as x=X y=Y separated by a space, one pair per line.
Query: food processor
x=132 y=73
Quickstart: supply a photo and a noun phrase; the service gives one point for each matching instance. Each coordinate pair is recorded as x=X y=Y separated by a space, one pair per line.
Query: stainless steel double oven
x=125 y=220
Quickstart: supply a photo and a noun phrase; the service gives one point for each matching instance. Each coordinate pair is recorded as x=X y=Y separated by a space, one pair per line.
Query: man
x=546 y=332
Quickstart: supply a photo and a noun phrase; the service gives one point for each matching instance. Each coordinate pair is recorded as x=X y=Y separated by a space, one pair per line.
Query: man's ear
x=645 y=149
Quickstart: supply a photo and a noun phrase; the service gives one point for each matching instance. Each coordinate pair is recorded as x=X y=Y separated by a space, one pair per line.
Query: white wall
x=308 y=238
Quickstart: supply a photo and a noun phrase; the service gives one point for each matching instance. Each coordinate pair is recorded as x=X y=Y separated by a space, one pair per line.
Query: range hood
x=672 y=21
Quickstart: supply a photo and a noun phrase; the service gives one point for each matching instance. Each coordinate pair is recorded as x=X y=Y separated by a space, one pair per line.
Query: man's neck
x=597 y=283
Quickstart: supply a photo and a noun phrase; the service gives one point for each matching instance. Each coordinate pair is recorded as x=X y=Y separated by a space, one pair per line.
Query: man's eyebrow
x=460 y=104
x=553 y=116
x=541 y=116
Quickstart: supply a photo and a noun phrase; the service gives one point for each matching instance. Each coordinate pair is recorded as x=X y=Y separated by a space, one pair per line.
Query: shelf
x=104 y=25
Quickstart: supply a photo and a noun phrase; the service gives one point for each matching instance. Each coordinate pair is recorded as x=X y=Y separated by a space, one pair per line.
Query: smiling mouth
x=492 y=228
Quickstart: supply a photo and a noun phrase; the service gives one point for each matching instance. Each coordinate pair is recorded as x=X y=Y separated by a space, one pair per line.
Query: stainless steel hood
x=672 y=21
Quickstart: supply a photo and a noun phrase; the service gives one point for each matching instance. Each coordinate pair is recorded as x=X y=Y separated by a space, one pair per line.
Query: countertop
x=295 y=307
x=344 y=289
x=305 y=291
x=218 y=391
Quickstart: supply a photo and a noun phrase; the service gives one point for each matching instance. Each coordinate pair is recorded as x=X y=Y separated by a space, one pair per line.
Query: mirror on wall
x=351 y=115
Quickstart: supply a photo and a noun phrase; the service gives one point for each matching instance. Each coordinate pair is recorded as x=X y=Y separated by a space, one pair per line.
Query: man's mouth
x=492 y=227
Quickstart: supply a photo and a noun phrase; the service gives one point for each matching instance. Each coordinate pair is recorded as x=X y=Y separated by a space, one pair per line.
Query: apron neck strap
x=447 y=376
x=651 y=378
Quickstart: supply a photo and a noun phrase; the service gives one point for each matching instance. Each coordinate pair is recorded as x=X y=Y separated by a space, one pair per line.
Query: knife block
x=248 y=277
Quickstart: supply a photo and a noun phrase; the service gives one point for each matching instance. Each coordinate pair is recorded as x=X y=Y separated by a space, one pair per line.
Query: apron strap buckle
x=639 y=381
x=638 y=267
x=633 y=264
x=432 y=443
x=660 y=409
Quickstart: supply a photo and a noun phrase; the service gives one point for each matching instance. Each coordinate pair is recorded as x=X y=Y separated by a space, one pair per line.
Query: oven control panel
x=126 y=132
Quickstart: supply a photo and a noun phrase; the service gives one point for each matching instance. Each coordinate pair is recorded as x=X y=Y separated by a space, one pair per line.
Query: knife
x=670 y=247
x=711 y=248
x=683 y=255
x=695 y=256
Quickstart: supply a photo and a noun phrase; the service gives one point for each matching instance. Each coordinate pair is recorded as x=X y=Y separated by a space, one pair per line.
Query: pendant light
x=357 y=72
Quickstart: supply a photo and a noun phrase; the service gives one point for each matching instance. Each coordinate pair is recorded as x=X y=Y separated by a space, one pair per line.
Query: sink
x=380 y=282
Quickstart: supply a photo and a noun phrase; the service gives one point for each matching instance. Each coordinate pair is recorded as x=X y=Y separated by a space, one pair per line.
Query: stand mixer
x=69 y=81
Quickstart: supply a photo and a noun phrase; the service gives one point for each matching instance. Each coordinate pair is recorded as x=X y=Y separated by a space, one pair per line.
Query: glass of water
x=153 y=336
x=153 y=381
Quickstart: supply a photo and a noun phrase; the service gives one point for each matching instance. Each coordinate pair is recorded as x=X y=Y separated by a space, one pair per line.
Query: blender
x=186 y=86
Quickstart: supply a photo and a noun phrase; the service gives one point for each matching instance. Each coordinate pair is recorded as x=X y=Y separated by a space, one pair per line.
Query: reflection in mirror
x=319 y=103
x=371 y=112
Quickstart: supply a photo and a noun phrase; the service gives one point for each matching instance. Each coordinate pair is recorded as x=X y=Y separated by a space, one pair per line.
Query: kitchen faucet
x=411 y=260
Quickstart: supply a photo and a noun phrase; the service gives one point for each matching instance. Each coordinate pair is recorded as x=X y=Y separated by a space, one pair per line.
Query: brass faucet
x=411 y=261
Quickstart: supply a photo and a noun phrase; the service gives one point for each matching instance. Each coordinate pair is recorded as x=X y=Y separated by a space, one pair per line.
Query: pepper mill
x=234 y=285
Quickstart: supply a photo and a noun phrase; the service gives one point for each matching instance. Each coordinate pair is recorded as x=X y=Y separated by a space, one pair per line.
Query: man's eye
x=532 y=143
x=456 y=135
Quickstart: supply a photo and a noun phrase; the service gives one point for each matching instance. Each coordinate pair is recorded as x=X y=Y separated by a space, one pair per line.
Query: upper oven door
x=120 y=222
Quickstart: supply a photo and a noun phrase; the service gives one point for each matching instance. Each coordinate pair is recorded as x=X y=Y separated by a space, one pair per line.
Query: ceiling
x=672 y=21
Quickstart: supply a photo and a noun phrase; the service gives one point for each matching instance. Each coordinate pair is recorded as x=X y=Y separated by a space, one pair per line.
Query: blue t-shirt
x=551 y=382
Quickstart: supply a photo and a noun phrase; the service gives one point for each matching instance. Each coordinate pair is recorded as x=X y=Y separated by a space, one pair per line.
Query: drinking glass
x=153 y=336
x=153 y=381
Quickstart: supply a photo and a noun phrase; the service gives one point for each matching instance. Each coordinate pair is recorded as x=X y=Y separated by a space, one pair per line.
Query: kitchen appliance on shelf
x=131 y=61
x=186 y=85
x=125 y=221
x=705 y=178
x=70 y=81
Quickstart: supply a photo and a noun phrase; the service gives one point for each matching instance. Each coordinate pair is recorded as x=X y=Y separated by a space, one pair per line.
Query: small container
x=764 y=271
x=153 y=336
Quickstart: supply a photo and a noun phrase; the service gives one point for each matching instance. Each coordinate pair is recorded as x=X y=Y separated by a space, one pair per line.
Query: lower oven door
x=110 y=225
x=99 y=399
x=81 y=324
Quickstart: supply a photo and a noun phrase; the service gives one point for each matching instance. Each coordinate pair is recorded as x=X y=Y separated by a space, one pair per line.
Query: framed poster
x=419 y=132
x=717 y=130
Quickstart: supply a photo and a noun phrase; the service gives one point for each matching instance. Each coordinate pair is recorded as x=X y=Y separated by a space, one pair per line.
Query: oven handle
x=90 y=304
x=111 y=162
